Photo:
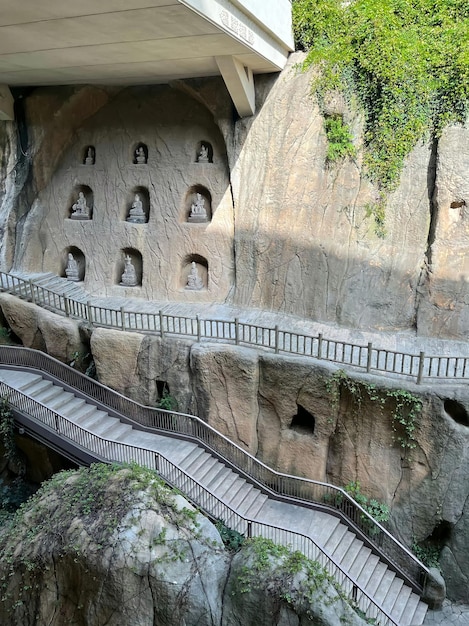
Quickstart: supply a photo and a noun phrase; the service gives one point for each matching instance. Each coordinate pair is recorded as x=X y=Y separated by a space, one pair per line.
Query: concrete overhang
x=129 y=42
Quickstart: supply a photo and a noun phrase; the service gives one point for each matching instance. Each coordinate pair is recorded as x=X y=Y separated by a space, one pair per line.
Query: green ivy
x=406 y=63
x=406 y=408
x=378 y=510
x=339 y=139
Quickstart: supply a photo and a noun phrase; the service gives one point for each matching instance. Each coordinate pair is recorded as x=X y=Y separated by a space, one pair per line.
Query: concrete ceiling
x=51 y=42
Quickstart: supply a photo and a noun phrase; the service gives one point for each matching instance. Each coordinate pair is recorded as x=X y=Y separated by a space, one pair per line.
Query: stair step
x=400 y=602
x=376 y=578
x=47 y=395
x=321 y=530
x=253 y=511
x=237 y=493
x=30 y=389
x=252 y=497
x=418 y=615
x=83 y=413
x=196 y=467
x=335 y=538
x=210 y=469
x=241 y=496
x=219 y=478
x=352 y=554
x=343 y=546
x=388 y=587
x=191 y=457
x=60 y=401
x=118 y=431
x=75 y=409
x=99 y=422
x=367 y=570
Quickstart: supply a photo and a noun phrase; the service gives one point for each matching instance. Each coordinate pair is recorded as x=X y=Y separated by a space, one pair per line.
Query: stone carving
x=140 y=156
x=136 y=213
x=80 y=211
x=71 y=271
x=198 y=212
x=129 y=277
x=90 y=155
x=194 y=282
x=203 y=157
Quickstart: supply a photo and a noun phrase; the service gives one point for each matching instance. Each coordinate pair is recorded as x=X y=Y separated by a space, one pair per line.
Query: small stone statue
x=129 y=277
x=194 y=282
x=89 y=156
x=79 y=210
x=71 y=271
x=140 y=155
x=203 y=154
x=136 y=213
x=198 y=212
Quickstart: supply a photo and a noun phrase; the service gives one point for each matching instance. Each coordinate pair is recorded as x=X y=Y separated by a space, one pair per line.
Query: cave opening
x=303 y=421
x=456 y=411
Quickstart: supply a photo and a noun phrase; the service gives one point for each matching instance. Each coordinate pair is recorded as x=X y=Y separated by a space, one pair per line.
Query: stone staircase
x=371 y=574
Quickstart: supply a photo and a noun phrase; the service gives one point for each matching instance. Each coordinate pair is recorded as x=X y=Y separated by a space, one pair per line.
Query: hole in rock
x=303 y=421
x=456 y=411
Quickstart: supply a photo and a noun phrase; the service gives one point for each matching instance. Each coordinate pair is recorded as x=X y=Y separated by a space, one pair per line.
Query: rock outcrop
x=113 y=546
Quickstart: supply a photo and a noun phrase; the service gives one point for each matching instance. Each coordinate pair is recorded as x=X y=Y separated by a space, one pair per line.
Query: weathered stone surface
x=443 y=307
x=40 y=329
x=115 y=355
x=171 y=125
x=135 y=555
x=304 y=244
x=225 y=385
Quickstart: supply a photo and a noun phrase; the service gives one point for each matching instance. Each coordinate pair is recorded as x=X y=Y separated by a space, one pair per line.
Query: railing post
x=198 y=328
x=237 y=331
x=157 y=462
x=421 y=364
x=276 y=340
x=67 y=305
x=320 y=346
x=161 y=324
x=31 y=290
x=249 y=530
x=89 y=312
x=368 y=359
x=122 y=318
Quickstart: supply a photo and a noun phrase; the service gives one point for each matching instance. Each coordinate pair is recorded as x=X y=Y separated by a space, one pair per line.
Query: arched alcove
x=303 y=421
x=89 y=155
x=73 y=260
x=140 y=154
x=81 y=203
x=198 y=205
x=129 y=268
x=204 y=152
x=456 y=411
x=194 y=273
x=138 y=206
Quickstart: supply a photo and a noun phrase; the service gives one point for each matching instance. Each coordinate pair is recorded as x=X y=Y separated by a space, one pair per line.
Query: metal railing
x=206 y=500
x=293 y=487
x=367 y=357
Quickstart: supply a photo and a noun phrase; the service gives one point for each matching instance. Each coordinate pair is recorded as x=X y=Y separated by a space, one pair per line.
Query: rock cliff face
x=107 y=546
x=281 y=410
x=284 y=231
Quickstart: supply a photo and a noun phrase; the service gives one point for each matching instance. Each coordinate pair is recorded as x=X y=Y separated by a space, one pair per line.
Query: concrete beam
x=6 y=103
x=240 y=84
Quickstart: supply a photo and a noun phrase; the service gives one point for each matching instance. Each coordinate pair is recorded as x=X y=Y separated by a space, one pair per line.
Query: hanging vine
x=406 y=407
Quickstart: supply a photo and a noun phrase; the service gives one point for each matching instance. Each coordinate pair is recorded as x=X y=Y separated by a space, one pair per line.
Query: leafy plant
x=339 y=139
x=405 y=410
x=7 y=437
x=405 y=62
x=378 y=510
x=427 y=553
x=167 y=402
x=377 y=212
x=232 y=539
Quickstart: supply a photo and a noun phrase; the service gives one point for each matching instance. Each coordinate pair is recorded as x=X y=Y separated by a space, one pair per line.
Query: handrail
x=189 y=425
x=206 y=500
x=368 y=358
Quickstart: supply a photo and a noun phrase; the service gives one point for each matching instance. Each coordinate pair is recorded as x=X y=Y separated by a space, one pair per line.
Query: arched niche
x=89 y=155
x=198 y=205
x=140 y=154
x=204 y=152
x=81 y=203
x=129 y=268
x=138 y=206
x=194 y=273
x=76 y=262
